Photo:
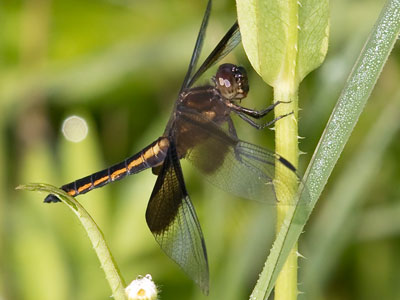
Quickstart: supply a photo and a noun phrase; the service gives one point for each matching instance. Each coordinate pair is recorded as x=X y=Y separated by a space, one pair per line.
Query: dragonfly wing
x=238 y=167
x=230 y=40
x=197 y=47
x=172 y=219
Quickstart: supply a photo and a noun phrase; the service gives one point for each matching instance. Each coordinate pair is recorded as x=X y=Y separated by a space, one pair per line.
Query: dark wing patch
x=172 y=219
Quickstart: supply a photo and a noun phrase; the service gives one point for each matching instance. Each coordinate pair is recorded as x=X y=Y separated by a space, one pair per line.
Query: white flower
x=142 y=288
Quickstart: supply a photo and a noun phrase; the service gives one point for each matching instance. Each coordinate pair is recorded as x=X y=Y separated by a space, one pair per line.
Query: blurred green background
x=119 y=64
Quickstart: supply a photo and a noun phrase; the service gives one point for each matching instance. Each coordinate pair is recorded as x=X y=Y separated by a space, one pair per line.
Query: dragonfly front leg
x=231 y=128
x=256 y=114
x=261 y=126
x=232 y=132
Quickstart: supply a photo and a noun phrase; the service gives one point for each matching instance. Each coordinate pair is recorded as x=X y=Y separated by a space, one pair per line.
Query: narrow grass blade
x=94 y=233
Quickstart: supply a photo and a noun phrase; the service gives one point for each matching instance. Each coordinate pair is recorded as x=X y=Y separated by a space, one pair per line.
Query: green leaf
x=284 y=39
x=313 y=35
x=94 y=233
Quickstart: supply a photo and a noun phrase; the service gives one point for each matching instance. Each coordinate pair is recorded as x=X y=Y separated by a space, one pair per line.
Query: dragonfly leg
x=232 y=131
x=261 y=126
x=256 y=114
x=231 y=127
x=269 y=124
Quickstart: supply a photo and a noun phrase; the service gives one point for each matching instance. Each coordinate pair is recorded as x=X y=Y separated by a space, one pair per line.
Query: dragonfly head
x=231 y=81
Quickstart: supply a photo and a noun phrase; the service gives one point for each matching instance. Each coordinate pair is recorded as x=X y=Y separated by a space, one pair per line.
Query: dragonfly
x=201 y=130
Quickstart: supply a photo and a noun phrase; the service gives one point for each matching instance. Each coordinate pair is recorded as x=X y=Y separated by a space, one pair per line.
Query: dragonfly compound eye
x=232 y=81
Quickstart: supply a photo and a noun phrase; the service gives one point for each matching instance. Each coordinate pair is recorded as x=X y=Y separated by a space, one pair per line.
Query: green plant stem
x=94 y=233
x=286 y=146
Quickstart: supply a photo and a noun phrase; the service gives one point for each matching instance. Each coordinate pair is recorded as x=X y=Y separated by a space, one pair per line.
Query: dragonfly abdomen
x=151 y=156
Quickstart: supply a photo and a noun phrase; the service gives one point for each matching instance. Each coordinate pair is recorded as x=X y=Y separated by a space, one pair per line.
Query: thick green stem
x=286 y=145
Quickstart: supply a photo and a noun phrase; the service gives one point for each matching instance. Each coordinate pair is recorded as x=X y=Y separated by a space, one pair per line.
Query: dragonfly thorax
x=231 y=81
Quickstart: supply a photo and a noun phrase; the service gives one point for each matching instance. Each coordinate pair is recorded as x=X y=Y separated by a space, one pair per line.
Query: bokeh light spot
x=75 y=129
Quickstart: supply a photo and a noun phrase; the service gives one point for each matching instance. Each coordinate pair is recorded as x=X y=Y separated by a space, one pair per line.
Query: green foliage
x=342 y=121
x=284 y=41
x=119 y=64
